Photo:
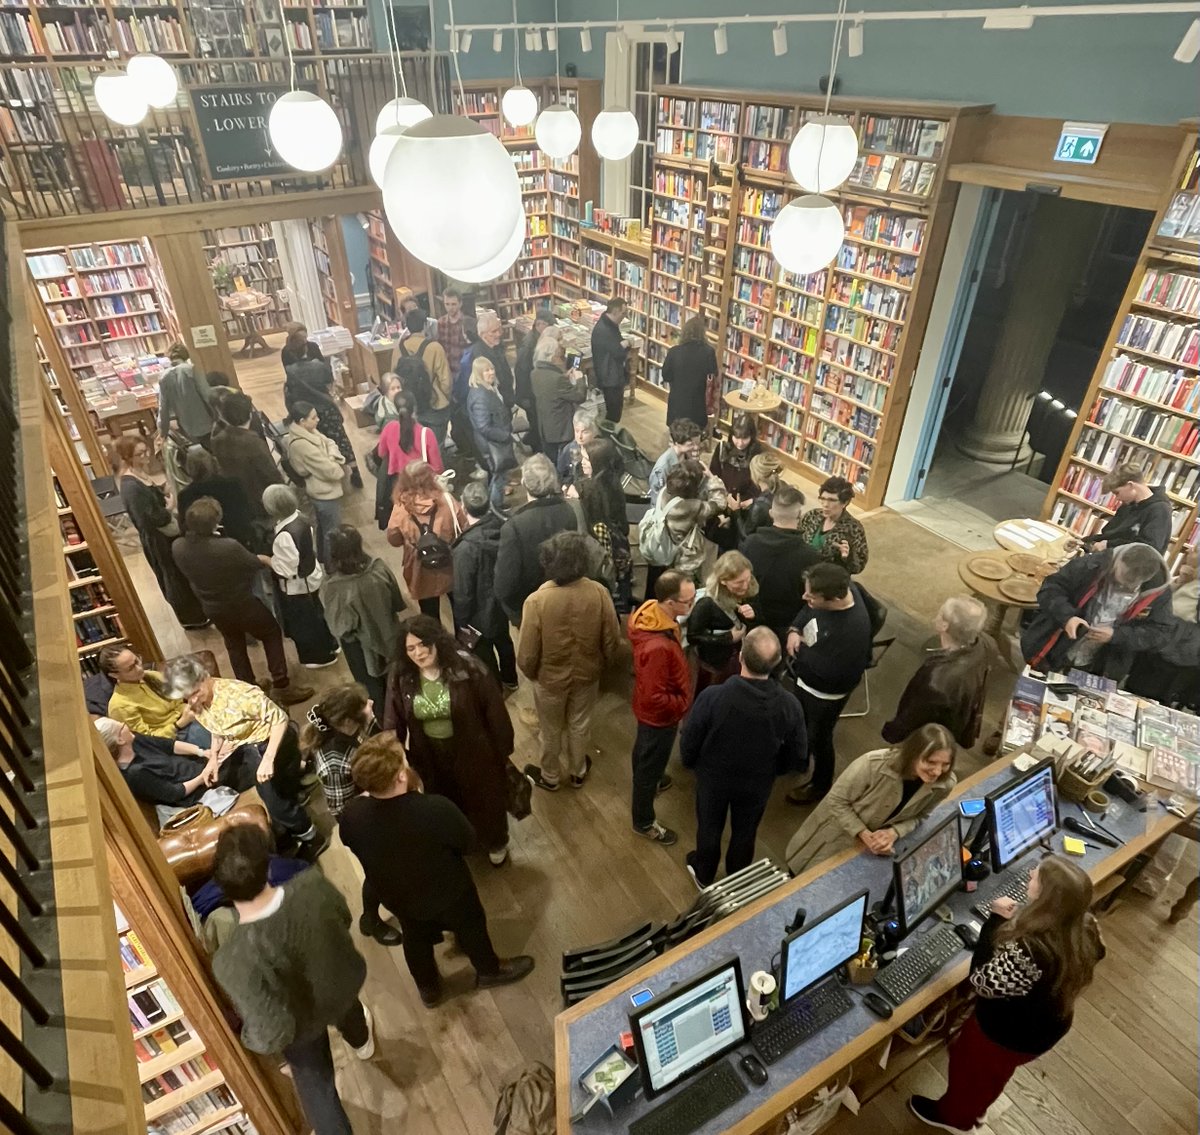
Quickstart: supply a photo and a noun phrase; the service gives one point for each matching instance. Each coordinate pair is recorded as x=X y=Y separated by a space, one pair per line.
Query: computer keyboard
x=1015 y=887
x=709 y=1094
x=793 y=1024
x=899 y=979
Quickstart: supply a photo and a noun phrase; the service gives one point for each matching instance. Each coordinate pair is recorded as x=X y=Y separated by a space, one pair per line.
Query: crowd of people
x=750 y=638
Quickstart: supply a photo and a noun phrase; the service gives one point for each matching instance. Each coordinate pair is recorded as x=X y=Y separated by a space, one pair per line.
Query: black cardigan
x=710 y=631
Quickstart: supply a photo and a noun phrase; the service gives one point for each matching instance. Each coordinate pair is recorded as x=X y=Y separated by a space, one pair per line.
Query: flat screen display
x=928 y=874
x=817 y=950
x=1022 y=815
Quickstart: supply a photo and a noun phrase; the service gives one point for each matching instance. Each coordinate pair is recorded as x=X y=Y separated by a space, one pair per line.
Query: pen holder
x=861 y=974
x=1072 y=786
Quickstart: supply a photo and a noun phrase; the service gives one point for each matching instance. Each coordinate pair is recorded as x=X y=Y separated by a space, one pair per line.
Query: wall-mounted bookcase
x=67 y=32
x=839 y=346
x=1144 y=402
x=248 y=251
x=613 y=265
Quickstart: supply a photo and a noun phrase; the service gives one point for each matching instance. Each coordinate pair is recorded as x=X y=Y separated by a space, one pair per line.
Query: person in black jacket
x=208 y=481
x=1029 y=967
x=738 y=738
x=609 y=351
x=474 y=595
x=780 y=556
x=829 y=643
x=686 y=372
x=1142 y=517
x=720 y=619
x=1096 y=612
x=523 y=375
x=518 y=570
x=411 y=848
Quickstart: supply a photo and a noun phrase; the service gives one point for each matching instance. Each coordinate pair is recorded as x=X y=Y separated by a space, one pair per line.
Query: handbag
x=188 y=839
x=518 y=792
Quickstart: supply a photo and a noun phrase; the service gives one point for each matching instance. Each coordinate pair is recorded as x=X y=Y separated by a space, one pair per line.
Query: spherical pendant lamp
x=381 y=149
x=401 y=112
x=154 y=77
x=120 y=99
x=807 y=234
x=519 y=105
x=305 y=131
x=500 y=264
x=451 y=194
x=823 y=153
x=558 y=131
x=614 y=133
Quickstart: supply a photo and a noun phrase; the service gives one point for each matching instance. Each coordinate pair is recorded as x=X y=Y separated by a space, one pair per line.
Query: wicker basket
x=1072 y=786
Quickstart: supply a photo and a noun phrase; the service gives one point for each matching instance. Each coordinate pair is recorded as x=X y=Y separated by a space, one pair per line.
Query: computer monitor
x=927 y=874
x=1022 y=814
x=688 y=1027
x=817 y=950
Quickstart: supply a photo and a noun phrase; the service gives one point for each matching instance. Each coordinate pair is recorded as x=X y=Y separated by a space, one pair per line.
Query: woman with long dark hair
x=425 y=521
x=1030 y=966
x=448 y=710
x=731 y=461
x=603 y=501
x=687 y=369
x=402 y=439
x=149 y=508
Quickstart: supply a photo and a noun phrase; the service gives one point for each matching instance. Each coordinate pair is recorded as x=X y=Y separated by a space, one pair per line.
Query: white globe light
x=401 y=112
x=154 y=77
x=823 y=153
x=558 y=131
x=381 y=149
x=500 y=264
x=807 y=234
x=120 y=99
x=614 y=133
x=305 y=131
x=451 y=194
x=519 y=105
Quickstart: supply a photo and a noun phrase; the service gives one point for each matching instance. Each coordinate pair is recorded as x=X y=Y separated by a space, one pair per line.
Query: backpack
x=415 y=377
x=462 y=380
x=433 y=553
x=654 y=537
x=600 y=562
x=526 y=1106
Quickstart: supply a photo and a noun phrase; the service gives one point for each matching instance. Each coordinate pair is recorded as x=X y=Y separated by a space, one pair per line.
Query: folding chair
x=878 y=650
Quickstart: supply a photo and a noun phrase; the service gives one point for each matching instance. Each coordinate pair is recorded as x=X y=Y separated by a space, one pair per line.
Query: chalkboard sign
x=233 y=130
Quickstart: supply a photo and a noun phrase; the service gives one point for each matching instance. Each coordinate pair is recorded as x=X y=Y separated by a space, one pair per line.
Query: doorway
x=1041 y=288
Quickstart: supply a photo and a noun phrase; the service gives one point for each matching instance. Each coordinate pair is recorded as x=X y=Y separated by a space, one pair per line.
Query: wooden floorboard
x=578 y=875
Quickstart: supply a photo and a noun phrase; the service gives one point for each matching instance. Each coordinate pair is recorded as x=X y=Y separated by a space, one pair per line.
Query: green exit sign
x=1080 y=142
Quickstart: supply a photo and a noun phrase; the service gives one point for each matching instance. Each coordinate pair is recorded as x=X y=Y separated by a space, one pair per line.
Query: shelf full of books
x=839 y=346
x=1143 y=407
x=246 y=256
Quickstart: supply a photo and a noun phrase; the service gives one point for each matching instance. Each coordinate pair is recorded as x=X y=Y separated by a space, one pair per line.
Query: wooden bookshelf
x=1143 y=405
x=613 y=265
x=79 y=32
x=248 y=252
x=839 y=346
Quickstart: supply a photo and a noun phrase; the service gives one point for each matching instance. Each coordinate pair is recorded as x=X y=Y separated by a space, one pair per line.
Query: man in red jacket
x=662 y=694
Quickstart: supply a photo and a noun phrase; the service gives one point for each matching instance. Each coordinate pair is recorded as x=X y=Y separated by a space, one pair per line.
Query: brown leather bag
x=189 y=838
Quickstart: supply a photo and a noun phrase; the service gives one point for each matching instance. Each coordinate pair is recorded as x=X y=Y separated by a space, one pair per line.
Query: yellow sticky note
x=1073 y=846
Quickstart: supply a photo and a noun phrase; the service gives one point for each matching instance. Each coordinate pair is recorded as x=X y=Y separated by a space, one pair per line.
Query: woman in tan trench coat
x=879 y=799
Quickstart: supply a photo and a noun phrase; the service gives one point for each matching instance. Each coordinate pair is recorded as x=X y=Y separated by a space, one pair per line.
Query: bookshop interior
x=812 y=449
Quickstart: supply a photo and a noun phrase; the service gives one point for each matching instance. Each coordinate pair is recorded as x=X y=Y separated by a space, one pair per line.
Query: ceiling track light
x=551 y=39
x=855 y=39
x=720 y=40
x=671 y=39
x=779 y=39
x=498 y=40
x=1009 y=21
x=585 y=40
x=622 y=39
x=464 y=41
x=1189 y=46
x=537 y=39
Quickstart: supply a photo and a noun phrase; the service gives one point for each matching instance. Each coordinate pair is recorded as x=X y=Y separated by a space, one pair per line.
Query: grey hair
x=584 y=418
x=486 y=318
x=538 y=476
x=964 y=618
x=279 y=501
x=182 y=675
x=546 y=349
x=110 y=733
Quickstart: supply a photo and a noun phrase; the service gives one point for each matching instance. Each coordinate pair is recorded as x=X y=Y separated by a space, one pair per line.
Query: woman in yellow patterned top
x=237 y=713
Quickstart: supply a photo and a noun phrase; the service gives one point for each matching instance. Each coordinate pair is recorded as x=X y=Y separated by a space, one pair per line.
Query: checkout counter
x=849 y=1049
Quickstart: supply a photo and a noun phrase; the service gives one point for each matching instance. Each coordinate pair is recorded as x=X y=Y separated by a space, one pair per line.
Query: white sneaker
x=368 y=1049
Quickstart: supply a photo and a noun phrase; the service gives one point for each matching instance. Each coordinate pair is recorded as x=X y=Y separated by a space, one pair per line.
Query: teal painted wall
x=1107 y=69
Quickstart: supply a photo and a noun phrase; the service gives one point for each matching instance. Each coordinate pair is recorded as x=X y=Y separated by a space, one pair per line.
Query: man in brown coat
x=569 y=632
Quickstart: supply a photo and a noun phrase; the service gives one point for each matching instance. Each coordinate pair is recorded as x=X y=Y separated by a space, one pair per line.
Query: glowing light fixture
x=614 y=133
x=120 y=98
x=807 y=234
x=501 y=263
x=558 y=131
x=305 y=131
x=823 y=153
x=518 y=104
x=154 y=77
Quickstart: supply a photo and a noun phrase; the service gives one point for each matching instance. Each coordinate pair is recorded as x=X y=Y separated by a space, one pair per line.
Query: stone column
x=1054 y=257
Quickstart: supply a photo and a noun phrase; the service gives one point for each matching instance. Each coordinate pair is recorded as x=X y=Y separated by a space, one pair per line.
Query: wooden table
x=1038 y=541
x=762 y=402
x=584 y=1031
x=997 y=603
x=254 y=341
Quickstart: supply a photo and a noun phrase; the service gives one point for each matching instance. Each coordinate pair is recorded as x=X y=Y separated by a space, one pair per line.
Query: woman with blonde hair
x=1029 y=967
x=765 y=471
x=879 y=799
x=686 y=371
x=491 y=423
x=721 y=617
x=425 y=521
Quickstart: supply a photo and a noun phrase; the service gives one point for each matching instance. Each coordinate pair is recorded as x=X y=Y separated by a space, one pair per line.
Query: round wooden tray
x=1024 y=562
x=1020 y=588
x=989 y=567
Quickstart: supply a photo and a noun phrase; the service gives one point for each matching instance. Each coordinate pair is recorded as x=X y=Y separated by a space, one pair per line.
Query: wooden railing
x=61 y=156
x=65 y=1061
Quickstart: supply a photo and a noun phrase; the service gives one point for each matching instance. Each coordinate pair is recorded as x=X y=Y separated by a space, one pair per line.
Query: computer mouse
x=877 y=1005
x=969 y=933
x=753 y=1067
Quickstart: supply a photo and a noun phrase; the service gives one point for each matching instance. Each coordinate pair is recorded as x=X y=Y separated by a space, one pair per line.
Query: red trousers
x=979 y=1071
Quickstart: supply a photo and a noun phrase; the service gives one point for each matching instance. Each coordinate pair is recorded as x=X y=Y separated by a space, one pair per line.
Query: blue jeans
x=311 y=1063
x=195 y=734
x=329 y=516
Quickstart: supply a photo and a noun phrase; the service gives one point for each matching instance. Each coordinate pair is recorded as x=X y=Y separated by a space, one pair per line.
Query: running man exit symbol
x=1080 y=142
